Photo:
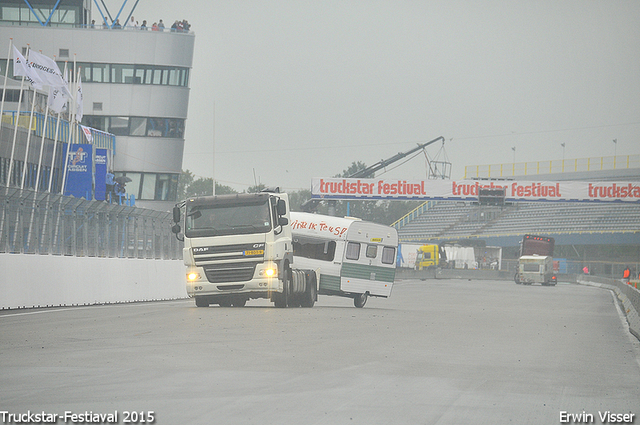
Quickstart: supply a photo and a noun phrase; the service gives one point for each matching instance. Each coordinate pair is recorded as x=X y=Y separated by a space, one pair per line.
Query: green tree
x=189 y=186
x=256 y=189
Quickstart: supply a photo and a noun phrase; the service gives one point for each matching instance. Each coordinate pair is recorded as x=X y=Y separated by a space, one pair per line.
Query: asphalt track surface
x=435 y=352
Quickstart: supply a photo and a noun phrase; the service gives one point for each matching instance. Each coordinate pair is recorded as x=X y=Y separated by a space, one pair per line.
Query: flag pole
x=55 y=139
x=71 y=117
x=15 y=128
x=44 y=133
x=4 y=86
x=26 y=154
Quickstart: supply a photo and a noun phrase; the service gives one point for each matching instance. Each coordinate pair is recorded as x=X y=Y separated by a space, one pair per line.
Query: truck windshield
x=226 y=219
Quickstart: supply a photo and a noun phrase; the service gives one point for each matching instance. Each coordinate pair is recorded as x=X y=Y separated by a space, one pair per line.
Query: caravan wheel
x=360 y=300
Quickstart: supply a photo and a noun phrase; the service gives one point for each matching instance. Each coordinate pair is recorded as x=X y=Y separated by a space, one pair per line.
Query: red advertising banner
x=467 y=190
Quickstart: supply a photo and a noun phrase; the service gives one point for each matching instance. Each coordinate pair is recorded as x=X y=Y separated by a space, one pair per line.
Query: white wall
x=51 y=280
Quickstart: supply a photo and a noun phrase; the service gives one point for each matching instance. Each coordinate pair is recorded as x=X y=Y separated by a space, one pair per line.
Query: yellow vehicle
x=428 y=256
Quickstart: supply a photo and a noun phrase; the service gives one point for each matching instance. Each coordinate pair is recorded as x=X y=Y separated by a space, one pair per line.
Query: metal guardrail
x=45 y=223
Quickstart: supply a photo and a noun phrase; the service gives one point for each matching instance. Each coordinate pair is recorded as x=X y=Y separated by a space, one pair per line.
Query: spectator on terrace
x=161 y=26
x=626 y=274
x=143 y=27
x=110 y=183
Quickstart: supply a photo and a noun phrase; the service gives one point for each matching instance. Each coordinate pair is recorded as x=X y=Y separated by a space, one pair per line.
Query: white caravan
x=536 y=269
x=354 y=258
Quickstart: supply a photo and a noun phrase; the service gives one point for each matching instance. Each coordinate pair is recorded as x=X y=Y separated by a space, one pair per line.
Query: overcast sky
x=303 y=88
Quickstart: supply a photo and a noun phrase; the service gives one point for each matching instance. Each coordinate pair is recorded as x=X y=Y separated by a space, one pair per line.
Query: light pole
x=615 y=152
x=562 y=144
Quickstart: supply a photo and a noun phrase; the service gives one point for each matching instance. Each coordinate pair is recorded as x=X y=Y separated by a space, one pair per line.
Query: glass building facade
x=135 y=85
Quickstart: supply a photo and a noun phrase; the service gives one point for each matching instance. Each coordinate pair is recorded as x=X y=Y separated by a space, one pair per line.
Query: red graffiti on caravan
x=320 y=227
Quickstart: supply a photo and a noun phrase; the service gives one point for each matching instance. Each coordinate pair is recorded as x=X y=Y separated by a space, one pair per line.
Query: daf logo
x=258 y=245
x=201 y=249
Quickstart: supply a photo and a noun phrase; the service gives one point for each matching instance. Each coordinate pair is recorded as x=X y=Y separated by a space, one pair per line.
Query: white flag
x=48 y=71
x=57 y=99
x=21 y=68
x=79 y=97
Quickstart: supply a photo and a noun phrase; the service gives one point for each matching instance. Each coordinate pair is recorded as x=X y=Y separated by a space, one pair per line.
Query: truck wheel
x=225 y=302
x=282 y=300
x=516 y=278
x=202 y=302
x=360 y=300
x=309 y=296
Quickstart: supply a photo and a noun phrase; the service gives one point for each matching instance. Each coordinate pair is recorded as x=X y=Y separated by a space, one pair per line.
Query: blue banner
x=79 y=171
x=101 y=174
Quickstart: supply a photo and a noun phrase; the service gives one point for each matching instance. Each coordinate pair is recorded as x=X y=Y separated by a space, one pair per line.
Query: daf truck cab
x=239 y=247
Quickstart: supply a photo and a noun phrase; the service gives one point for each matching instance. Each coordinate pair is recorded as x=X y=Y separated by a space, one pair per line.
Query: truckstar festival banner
x=467 y=190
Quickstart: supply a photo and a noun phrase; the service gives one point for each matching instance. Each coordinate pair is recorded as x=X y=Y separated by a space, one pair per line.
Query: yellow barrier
x=23 y=121
x=552 y=167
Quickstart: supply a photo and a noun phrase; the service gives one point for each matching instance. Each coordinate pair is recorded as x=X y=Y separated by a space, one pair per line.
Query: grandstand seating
x=448 y=219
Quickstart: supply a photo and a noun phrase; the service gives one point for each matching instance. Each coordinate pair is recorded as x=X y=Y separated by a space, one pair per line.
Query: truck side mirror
x=283 y=221
x=282 y=207
x=176 y=215
x=175 y=228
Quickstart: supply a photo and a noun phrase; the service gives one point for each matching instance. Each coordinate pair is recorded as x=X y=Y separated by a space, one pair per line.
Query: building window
x=152 y=186
x=100 y=73
x=63 y=53
x=148 y=188
x=119 y=126
x=130 y=74
x=136 y=126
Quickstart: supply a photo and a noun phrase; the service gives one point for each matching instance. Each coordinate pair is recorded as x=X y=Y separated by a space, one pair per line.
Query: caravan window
x=372 y=251
x=353 y=251
x=388 y=255
x=315 y=249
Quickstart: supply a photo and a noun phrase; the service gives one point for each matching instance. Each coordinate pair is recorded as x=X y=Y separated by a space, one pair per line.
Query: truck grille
x=209 y=255
x=237 y=272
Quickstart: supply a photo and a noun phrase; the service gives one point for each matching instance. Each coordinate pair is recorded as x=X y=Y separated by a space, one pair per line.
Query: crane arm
x=370 y=171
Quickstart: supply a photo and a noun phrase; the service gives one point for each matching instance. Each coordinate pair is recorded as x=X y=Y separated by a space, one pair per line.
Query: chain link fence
x=45 y=223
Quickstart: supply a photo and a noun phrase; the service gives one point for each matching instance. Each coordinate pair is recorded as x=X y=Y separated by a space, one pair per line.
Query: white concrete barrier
x=52 y=280
x=628 y=295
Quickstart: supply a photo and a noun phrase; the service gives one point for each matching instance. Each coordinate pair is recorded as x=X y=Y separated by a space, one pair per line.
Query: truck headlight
x=270 y=271
x=193 y=276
